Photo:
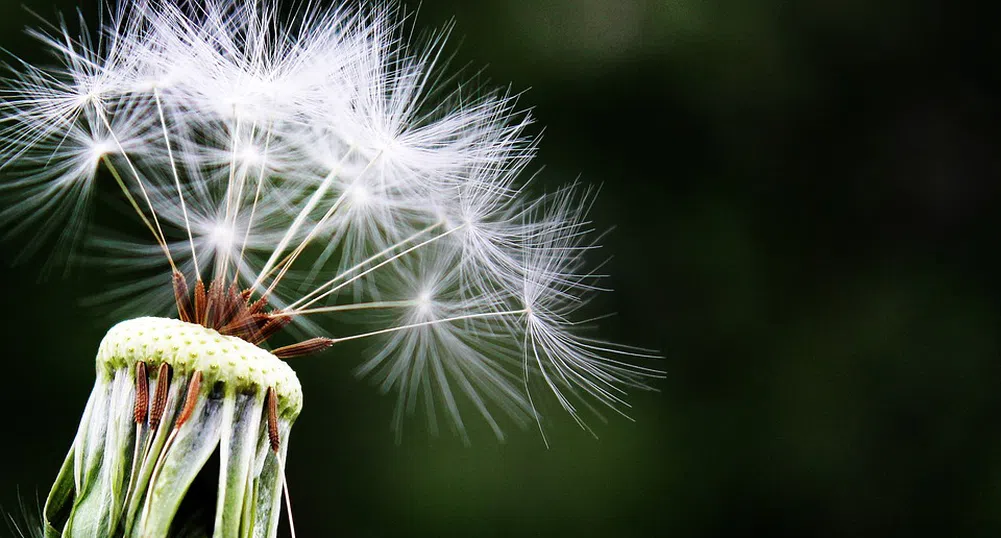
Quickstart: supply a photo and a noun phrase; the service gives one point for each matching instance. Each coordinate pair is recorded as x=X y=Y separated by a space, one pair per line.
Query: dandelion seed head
x=332 y=166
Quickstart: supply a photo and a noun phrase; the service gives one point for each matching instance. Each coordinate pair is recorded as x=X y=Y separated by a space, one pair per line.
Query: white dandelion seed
x=304 y=170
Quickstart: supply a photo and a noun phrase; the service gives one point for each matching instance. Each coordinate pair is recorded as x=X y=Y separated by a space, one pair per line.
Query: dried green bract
x=168 y=395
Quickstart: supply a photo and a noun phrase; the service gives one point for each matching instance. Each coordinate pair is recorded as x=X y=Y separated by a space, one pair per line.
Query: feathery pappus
x=292 y=168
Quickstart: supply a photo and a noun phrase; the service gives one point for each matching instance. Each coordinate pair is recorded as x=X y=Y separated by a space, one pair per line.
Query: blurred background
x=805 y=206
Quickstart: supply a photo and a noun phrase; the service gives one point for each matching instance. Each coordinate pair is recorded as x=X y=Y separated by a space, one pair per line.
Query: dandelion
x=292 y=173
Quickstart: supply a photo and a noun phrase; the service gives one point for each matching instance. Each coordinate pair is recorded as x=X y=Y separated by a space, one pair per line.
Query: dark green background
x=805 y=199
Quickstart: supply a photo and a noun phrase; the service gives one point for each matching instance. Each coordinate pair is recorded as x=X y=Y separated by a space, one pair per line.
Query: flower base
x=168 y=395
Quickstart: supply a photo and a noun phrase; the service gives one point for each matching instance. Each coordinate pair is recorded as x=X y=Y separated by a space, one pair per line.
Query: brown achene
x=233 y=312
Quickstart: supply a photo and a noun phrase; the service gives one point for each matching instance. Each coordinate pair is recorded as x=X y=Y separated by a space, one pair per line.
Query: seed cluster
x=233 y=312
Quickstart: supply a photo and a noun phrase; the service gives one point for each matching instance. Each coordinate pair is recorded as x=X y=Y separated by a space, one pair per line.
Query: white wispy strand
x=329 y=161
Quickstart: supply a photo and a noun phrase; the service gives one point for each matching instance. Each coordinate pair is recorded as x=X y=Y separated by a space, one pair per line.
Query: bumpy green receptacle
x=123 y=478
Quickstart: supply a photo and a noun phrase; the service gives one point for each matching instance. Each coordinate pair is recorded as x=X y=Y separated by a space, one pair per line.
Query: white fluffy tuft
x=322 y=160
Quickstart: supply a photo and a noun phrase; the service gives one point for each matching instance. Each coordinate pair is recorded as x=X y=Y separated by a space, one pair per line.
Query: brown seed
x=200 y=300
x=276 y=322
x=142 y=393
x=160 y=397
x=306 y=347
x=230 y=307
x=189 y=402
x=273 y=419
x=182 y=296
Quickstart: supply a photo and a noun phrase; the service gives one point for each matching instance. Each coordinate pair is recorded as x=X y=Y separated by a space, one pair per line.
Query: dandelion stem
x=177 y=179
x=349 y=307
x=232 y=199
x=257 y=197
x=365 y=262
x=300 y=218
x=158 y=233
x=283 y=267
x=382 y=263
x=135 y=205
x=432 y=322
x=316 y=228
